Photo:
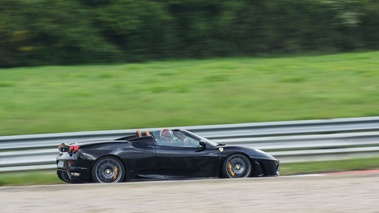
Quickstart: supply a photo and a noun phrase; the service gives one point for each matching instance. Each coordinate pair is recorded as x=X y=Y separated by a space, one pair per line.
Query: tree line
x=44 y=32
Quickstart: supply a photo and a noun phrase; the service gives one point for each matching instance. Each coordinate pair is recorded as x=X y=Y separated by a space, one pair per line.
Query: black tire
x=236 y=166
x=108 y=170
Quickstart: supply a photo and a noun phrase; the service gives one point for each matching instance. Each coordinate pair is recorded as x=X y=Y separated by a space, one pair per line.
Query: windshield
x=198 y=137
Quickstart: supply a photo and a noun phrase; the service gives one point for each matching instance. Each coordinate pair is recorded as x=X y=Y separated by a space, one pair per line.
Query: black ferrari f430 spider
x=162 y=154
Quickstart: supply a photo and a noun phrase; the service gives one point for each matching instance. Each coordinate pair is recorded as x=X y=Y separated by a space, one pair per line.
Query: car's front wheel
x=236 y=166
x=108 y=170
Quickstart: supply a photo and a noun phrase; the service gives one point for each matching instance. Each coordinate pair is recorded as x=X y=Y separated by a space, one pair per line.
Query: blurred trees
x=40 y=32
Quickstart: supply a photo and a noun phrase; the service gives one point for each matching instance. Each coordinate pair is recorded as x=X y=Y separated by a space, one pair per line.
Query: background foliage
x=43 y=32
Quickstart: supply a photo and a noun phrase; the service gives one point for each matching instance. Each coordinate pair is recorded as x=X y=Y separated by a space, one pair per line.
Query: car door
x=140 y=157
x=188 y=162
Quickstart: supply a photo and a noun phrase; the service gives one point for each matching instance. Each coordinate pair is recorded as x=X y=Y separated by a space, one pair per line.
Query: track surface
x=335 y=193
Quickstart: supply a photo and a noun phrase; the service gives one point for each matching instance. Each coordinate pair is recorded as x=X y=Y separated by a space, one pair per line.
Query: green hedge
x=41 y=32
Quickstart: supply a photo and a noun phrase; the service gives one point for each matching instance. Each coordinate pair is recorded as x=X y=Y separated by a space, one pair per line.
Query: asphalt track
x=338 y=192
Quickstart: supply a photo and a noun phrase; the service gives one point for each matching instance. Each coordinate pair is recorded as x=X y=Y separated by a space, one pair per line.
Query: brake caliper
x=230 y=169
x=115 y=173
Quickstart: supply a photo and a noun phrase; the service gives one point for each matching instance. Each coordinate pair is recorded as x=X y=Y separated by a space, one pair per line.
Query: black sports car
x=164 y=154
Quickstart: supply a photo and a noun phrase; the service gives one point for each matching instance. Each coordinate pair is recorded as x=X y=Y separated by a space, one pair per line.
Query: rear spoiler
x=63 y=147
x=73 y=148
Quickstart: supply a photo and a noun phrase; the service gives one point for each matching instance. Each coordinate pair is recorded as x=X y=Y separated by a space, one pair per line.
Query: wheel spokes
x=238 y=166
x=108 y=171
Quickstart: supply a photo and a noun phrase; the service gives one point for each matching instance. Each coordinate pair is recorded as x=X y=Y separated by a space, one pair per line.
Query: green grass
x=29 y=178
x=50 y=177
x=188 y=92
x=329 y=166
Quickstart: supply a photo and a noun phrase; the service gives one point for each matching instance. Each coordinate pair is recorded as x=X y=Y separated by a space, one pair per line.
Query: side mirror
x=202 y=144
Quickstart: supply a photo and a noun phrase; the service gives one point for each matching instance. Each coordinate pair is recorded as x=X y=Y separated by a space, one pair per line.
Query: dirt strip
x=336 y=193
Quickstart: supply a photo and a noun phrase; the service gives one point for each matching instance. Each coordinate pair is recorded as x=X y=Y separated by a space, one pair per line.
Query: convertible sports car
x=164 y=154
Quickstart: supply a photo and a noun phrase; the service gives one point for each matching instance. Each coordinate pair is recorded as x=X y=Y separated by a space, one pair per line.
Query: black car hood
x=252 y=152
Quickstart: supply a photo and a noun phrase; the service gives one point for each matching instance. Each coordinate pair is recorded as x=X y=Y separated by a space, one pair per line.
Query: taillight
x=74 y=148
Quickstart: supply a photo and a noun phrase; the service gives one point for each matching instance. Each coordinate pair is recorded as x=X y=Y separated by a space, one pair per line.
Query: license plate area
x=61 y=164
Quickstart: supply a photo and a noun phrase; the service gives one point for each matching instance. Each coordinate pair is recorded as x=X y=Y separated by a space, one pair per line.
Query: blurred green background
x=44 y=32
x=80 y=65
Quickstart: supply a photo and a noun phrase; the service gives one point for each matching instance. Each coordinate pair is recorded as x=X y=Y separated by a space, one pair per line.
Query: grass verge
x=29 y=178
x=329 y=166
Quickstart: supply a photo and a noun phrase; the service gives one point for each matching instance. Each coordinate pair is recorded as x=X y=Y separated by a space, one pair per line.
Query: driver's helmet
x=166 y=134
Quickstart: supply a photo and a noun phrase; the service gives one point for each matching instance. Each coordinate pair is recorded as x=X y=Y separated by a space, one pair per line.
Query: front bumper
x=266 y=168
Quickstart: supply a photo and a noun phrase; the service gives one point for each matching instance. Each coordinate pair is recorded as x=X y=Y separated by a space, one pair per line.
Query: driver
x=167 y=138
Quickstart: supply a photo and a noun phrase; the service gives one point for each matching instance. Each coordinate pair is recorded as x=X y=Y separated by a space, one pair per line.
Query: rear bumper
x=65 y=176
x=73 y=175
x=73 y=170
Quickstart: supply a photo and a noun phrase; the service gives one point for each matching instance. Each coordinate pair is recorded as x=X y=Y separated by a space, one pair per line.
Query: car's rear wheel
x=236 y=166
x=108 y=170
